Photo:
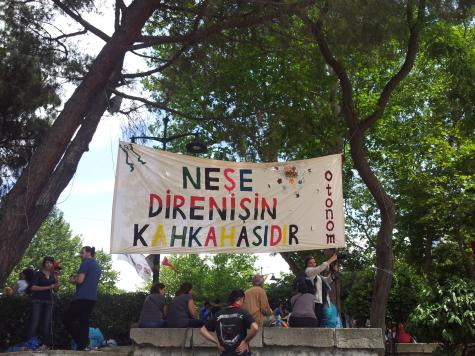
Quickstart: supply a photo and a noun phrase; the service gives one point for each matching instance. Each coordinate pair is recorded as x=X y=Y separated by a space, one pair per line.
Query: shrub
x=113 y=315
x=447 y=314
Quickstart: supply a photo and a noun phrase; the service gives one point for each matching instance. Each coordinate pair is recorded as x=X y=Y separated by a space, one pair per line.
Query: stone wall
x=268 y=341
x=415 y=349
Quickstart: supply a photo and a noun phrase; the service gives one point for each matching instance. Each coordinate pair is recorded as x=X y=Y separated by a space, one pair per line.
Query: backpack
x=229 y=329
x=302 y=278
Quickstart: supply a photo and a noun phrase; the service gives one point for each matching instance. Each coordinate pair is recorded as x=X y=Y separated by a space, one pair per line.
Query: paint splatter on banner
x=170 y=203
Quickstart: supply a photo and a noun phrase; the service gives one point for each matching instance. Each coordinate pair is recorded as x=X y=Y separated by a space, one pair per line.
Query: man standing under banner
x=313 y=273
x=256 y=302
x=80 y=310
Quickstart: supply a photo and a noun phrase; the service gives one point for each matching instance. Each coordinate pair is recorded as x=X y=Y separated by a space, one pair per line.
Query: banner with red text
x=170 y=203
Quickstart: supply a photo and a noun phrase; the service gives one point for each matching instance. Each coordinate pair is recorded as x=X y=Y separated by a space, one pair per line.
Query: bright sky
x=87 y=200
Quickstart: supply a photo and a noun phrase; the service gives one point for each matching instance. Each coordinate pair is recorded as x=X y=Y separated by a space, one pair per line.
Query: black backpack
x=229 y=327
x=302 y=278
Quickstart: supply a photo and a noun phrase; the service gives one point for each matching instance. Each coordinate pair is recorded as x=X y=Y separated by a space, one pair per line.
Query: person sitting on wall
x=278 y=311
x=154 y=309
x=182 y=310
x=403 y=337
x=205 y=311
x=256 y=302
x=303 y=308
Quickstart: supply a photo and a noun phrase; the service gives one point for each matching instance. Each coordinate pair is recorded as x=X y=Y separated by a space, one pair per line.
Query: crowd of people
x=246 y=311
x=235 y=324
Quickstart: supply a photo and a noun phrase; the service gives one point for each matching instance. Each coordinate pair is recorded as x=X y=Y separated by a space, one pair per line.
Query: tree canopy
x=28 y=87
x=213 y=276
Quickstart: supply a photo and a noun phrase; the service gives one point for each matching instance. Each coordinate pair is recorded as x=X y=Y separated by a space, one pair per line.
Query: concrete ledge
x=415 y=349
x=162 y=337
x=268 y=341
x=359 y=339
x=314 y=337
x=105 y=351
x=200 y=341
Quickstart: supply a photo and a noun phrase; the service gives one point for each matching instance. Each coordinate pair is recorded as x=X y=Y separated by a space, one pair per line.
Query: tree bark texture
x=384 y=251
x=55 y=161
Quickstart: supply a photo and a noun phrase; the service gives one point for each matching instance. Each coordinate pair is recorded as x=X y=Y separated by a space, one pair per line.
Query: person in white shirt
x=21 y=286
x=313 y=273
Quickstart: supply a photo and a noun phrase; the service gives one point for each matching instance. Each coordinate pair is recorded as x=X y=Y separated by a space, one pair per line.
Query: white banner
x=171 y=203
x=140 y=263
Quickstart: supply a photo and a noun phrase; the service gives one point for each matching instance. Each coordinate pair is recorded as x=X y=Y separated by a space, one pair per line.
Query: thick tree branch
x=195 y=36
x=81 y=21
x=66 y=35
x=412 y=47
x=175 y=56
x=158 y=69
x=345 y=83
x=161 y=106
x=117 y=15
x=154 y=58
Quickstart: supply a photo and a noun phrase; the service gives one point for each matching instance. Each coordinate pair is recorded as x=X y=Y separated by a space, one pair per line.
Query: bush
x=113 y=315
x=447 y=314
x=404 y=296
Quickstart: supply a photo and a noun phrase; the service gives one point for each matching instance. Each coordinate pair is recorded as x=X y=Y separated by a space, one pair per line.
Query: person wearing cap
x=256 y=302
x=42 y=285
x=76 y=318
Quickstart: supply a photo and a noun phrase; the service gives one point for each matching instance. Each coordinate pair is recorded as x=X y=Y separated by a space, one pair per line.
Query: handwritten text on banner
x=170 y=203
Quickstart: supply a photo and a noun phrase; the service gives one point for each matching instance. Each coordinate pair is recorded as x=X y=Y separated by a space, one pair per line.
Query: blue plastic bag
x=330 y=318
x=96 y=339
x=31 y=344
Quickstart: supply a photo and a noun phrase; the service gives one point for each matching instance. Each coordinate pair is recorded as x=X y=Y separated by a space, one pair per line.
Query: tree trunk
x=54 y=162
x=356 y=130
x=384 y=251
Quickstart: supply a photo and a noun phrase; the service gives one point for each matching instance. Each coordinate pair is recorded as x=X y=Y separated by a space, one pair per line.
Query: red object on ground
x=473 y=248
x=403 y=337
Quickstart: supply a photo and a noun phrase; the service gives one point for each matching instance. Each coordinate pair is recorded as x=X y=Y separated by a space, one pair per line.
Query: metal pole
x=156 y=257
